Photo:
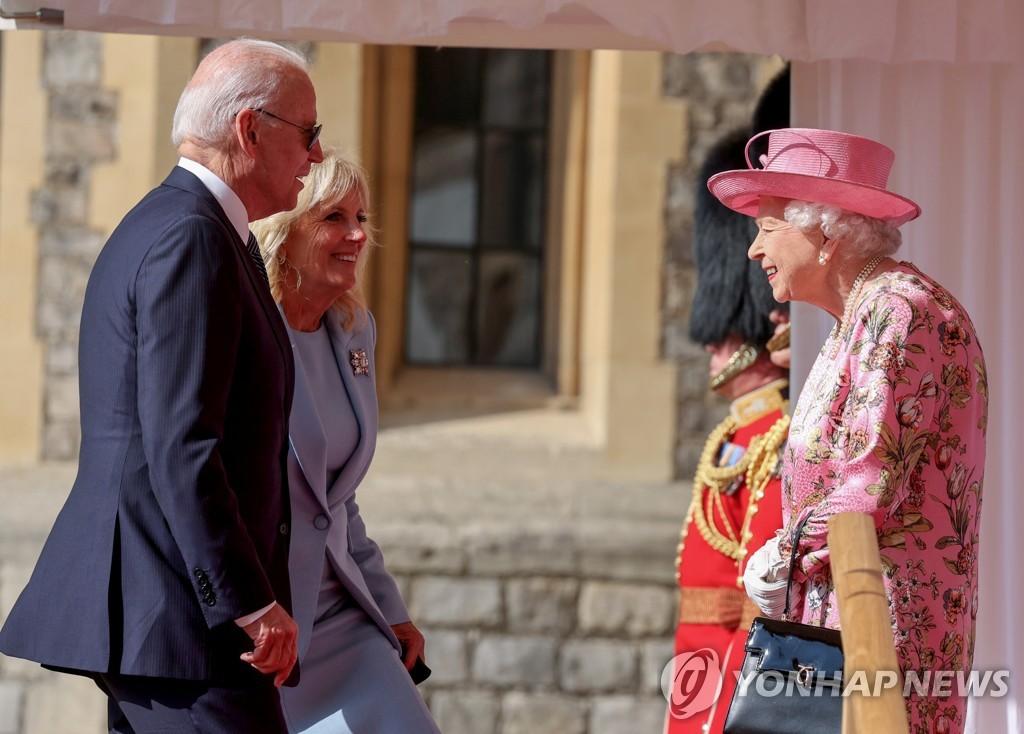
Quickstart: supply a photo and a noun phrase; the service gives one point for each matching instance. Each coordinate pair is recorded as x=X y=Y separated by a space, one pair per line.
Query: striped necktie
x=254 y=252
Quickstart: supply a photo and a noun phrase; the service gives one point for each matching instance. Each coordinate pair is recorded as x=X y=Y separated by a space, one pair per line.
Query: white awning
x=891 y=31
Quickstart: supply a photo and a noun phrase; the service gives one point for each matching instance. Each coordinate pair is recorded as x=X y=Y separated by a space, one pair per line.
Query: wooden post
x=868 y=650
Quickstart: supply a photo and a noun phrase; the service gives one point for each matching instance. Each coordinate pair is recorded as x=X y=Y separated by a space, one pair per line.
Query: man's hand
x=275 y=635
x=412 y=642
x=779 y=355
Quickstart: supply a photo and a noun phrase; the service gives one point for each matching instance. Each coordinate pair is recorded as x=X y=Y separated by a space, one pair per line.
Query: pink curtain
x=891 y=31
x=957 y=136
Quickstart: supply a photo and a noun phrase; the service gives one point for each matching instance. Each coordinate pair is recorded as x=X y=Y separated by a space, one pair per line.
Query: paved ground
x=484 y=482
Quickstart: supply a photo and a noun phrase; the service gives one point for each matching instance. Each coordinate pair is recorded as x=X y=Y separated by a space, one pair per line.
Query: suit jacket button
x=283 y=529
x=321 y=521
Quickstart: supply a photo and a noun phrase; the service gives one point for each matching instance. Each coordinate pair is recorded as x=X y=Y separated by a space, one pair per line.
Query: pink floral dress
x=894 y=425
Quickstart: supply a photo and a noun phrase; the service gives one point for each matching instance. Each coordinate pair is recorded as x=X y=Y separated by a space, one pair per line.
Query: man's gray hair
x=241 y=74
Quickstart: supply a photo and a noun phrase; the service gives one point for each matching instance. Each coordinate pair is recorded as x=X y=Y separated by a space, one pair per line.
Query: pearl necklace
x=842 y=327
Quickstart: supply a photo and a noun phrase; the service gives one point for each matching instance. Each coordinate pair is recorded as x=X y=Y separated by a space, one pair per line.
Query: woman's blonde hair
x=328 y=183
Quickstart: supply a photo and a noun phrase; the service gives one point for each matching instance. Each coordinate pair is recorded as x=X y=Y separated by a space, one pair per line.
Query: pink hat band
x=823 y=166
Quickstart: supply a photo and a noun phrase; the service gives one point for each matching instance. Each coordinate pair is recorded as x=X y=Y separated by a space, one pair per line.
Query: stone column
x=634 y=133
x=23 y=110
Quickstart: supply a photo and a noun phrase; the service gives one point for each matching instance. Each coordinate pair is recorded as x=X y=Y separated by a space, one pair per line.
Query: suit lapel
x=306 y=434
x=362 y=392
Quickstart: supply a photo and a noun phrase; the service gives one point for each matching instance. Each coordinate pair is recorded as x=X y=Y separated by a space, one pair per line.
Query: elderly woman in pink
x=891 y=420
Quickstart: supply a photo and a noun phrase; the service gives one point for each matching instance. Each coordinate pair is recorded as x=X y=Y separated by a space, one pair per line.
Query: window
x=477 y=207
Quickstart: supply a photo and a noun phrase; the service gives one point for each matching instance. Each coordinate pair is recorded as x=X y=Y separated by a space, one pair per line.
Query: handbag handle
x=792 y=561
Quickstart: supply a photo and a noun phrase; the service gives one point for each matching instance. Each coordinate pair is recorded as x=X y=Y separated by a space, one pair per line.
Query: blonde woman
x=357 y=644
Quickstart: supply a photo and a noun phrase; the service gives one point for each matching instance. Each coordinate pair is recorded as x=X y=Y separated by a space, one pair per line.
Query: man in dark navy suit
x=165 y=575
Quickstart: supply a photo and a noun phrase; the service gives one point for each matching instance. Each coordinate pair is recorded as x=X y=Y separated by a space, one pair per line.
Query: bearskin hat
x=732 y=295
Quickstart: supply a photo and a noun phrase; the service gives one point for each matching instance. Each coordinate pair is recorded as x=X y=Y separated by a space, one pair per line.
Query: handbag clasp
x=805 y=675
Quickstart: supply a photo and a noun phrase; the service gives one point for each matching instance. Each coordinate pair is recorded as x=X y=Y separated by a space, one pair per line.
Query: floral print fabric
x=894 y=426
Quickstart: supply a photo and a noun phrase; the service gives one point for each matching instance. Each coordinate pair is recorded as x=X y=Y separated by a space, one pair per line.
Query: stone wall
x=720 y=90
x=81 y=131
x=545 y=594
x=536 y=627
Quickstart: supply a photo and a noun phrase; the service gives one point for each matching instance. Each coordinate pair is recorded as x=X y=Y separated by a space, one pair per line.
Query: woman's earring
x=822 y=259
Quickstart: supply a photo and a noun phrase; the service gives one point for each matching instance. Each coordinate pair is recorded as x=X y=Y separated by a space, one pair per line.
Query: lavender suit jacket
x=326 y=519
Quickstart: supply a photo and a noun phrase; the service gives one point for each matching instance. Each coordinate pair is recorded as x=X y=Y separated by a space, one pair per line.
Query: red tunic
x=714 y=610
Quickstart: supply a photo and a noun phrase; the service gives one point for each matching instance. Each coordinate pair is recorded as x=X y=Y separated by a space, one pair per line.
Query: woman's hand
x=765 y=579
x=413 y=645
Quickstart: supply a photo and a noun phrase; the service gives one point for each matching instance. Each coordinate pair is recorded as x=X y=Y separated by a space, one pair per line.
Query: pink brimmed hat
x=821 y=166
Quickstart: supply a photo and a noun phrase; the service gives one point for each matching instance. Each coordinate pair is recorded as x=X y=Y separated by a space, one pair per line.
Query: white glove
x=766 y=577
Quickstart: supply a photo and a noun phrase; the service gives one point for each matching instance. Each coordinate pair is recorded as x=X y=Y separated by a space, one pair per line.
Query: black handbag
x=791 y=678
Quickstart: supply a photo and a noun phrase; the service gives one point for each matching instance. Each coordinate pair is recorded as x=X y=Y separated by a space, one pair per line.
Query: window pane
x=509 y=310
x=513 y=191
x=448 y=86
x=436 y=329
x=444 y=195
x=516 y=88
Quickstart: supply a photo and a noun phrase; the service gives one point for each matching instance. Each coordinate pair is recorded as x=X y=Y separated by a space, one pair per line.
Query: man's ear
x=246 y=132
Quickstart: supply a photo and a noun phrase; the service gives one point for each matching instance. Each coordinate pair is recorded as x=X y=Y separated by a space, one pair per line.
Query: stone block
x=404 y=584
x=687 y=457
x=62 y=358
x=625 y=609
x=72 y=240
x=25 y=671
x=596 y=666
x=72 y=58
x=85 y=104
x=68 y=704
x=654 y=656
x=541 y=604
x=64 y=172
x=10 y=707
x=89 y=140
x=50 y=317
x=62 y=398
x=465 y=712
x=69 y=205
x=674 y=301
x=615 y=549
x=61 y=441
x=417 y=548
x=447 y=656
x=13 y=579
x=618 y=714
x=456 y=601
x=503 y=660
x=524 y=713
x=693 y=387
x=515 y=550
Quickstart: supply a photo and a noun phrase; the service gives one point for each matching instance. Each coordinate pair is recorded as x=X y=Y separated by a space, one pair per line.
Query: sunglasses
x=312 y=132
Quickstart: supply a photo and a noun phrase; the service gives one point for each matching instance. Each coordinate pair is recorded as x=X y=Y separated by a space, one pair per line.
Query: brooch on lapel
x=360 y=364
